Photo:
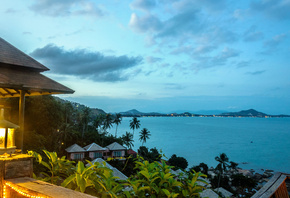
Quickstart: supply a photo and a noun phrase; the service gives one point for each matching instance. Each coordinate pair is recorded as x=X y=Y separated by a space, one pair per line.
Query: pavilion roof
x=12 y=56
x=19 y=71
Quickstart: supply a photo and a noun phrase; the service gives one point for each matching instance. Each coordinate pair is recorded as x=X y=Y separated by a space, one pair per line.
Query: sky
x=159 y=55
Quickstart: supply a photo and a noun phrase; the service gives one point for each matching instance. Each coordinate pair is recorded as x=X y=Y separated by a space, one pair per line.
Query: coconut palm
x=128 y=140
x=85 y=119
x=144 y=135
x=134 y=124
x=117 y=121
x=108 y=121
x=222 y=166
x=98 y=122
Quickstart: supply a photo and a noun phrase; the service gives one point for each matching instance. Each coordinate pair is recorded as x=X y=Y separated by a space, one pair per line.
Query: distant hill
x=134 y=112
x=245 y=113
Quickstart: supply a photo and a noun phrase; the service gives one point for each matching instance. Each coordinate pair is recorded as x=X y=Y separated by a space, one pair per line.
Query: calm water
x=201 y=139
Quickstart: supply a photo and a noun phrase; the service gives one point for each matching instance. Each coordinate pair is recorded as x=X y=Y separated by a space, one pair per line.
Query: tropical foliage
x=151 y=179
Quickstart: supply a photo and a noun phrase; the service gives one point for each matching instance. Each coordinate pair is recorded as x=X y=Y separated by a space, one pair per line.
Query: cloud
x=277 y=9
x=145 y=24
x=26 y=33
x=271 y=45
x=253 y=35
x=173 y=86
x=80 y=62
x=57 y=8
x=182 y=23
x=243 y=64
x=152 y=59
x=217 y=60
x=144 y=5
x=256 y=72
x=275 y=41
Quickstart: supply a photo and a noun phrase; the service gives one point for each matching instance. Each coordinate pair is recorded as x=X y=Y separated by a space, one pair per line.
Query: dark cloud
x=86 y=64
x=145 y=5
x=253 y=35
x=255 y=72
x=277 y=9
x=57 y=8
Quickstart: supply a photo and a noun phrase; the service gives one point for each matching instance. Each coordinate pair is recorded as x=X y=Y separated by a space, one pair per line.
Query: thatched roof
x=12 y=56
x=19 y=71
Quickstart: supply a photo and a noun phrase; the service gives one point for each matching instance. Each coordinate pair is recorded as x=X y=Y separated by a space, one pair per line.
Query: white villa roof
x=116 y=172
x=94 y=147
x=115 y=147
x=224 y=192
x=208 y=193
x=75 y=149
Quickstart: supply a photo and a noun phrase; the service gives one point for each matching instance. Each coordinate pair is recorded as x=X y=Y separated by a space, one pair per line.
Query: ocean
x=254 y=143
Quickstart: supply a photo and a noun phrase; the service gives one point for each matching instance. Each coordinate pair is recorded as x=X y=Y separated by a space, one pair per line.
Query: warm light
x=11 y=138
x=2 y=138
x=7 y=135
x=18 y=190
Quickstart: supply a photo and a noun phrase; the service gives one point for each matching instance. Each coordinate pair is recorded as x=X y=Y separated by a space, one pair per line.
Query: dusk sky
x=162 y=56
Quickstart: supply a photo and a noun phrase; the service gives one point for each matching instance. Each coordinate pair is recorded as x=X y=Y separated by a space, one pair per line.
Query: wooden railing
x=274 y=188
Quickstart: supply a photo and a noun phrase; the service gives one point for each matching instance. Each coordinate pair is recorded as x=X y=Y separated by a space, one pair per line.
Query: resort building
x=75 y=152
x=96 y=151
x=117 y=151
x=93 y=151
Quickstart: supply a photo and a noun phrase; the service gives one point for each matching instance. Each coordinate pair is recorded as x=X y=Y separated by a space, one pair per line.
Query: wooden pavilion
x=20 y=76
x=275 y=187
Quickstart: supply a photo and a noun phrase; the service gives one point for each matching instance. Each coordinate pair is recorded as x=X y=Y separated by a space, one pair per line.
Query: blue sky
x=166 y=55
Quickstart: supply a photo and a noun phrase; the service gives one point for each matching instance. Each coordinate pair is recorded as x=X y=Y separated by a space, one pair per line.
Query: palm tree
x=144 y=135
x=222 y=166
x=98 y=122
x=128 y=140
x=134 y=124
x=85 y=119
x=108 y=121
x=117 y=121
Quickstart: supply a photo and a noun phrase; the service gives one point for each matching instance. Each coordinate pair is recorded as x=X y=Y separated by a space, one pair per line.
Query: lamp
x=7 y=135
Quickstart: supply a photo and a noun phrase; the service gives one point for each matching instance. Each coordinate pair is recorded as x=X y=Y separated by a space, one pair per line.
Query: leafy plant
x=57 y=168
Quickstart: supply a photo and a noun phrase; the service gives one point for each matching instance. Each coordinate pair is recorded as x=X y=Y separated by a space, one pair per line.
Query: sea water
x=254 y=143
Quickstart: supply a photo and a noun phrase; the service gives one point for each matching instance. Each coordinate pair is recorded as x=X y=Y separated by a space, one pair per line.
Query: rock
x=268 y=170
x=257 y=176
x=245 y=172
x=267 y=174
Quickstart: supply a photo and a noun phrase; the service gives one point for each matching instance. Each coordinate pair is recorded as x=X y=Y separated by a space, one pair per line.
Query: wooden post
x=21 y=117
x=2 y=174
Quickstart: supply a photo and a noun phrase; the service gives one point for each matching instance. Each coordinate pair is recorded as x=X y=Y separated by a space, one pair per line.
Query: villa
x=75 y=152
x=93 y=151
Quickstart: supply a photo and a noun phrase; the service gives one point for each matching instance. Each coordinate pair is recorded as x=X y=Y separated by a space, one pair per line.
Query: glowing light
x=18 y=190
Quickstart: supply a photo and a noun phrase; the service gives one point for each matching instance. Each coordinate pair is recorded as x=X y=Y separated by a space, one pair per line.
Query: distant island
x=243 y=113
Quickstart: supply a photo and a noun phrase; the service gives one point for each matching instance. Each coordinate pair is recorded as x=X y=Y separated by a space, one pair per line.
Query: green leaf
x=68 y=180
